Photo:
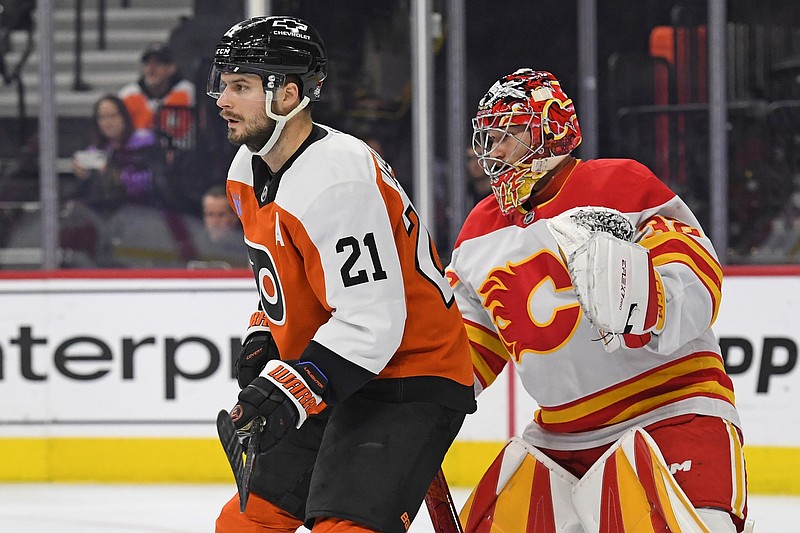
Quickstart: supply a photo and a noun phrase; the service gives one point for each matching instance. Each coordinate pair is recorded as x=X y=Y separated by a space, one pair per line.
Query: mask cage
x=491 y=130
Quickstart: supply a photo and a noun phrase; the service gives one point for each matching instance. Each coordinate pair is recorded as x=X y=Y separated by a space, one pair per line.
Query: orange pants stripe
x=261 y=516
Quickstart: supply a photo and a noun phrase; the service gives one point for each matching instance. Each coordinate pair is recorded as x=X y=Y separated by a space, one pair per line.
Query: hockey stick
x=441 y=506
x=242 y=469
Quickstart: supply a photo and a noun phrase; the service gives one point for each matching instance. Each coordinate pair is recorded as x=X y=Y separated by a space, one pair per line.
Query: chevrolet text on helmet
x=534 y=100
x=273 y=48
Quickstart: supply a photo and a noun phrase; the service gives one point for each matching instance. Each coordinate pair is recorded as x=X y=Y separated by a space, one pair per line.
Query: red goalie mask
x=524 y=127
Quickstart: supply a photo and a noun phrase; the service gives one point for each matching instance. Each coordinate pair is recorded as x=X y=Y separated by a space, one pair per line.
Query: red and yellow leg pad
x=523 y=491
x=630 y=490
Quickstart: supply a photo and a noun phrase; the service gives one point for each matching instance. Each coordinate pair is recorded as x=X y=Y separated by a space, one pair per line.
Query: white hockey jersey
x=518 y=304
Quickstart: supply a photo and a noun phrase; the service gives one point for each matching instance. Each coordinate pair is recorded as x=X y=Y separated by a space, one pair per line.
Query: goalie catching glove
x=617 y=287
x=286 y=393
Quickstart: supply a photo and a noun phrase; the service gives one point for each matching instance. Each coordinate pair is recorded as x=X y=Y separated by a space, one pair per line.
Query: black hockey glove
x=257 y=351
x=285 y=394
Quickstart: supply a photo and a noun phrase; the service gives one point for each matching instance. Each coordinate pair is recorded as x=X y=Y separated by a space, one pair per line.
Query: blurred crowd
x=135 y=198
x=147 y=164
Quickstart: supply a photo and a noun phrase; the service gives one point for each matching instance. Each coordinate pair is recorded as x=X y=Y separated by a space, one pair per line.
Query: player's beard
x=255 y=134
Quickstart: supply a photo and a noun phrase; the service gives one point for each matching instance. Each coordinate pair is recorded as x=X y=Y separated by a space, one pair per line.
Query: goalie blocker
x=617 y=286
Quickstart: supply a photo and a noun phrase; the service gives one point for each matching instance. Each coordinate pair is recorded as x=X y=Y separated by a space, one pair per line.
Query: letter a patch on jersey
x=278 y=235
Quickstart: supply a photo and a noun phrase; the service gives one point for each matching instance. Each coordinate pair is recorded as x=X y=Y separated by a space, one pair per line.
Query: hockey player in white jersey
x=597 y=282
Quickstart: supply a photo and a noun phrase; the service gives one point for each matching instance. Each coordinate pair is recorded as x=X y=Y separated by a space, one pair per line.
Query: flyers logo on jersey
x=270 y=288
x=509 y=294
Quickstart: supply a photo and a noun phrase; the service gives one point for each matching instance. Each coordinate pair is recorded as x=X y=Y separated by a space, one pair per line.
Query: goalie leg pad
x=630 y=489
x=522 y=491
x=717 y=520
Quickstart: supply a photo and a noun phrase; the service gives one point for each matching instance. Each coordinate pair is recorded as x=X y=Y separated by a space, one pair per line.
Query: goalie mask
x=272 y=48
x=525 y=126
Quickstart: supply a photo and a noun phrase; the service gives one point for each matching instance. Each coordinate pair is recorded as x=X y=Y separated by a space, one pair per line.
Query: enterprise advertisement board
x=143 y=360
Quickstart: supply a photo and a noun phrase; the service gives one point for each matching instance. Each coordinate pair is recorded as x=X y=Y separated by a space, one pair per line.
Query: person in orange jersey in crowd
x=160 y=85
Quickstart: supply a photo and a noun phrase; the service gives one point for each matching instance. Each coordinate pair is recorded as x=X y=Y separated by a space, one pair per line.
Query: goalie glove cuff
x=303 y=383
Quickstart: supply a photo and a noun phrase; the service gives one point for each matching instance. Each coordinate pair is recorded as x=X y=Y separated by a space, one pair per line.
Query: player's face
x=242 y=102
x=512 y=145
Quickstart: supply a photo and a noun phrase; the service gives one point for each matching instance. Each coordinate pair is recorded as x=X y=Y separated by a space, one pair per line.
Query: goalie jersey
x=516 y=296
x=347 y=275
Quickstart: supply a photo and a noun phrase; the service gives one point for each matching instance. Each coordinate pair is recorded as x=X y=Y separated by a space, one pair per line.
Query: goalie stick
x=441 y=507
x=242 y=469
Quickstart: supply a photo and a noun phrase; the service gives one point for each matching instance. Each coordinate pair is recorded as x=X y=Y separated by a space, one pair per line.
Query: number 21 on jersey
x=426 y=260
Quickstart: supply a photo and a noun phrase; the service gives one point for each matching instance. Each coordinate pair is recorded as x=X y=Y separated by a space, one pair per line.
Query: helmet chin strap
x=540 y=167
x=280 y=122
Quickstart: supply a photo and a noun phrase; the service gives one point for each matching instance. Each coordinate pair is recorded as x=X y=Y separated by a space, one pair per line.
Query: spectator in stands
x=160 y=85
x=123 y=163
x=222 y=244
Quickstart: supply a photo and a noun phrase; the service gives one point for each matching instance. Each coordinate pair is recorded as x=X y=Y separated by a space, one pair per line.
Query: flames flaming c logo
x=508 y=293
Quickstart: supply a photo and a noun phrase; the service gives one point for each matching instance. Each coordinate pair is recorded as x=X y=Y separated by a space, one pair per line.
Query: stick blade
x=233 y=451
x=250 y=461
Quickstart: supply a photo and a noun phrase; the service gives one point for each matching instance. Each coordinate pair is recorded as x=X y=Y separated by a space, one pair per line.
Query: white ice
x=89 y=508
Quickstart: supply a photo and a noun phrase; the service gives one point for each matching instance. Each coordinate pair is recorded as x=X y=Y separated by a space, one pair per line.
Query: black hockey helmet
x=272 y=47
